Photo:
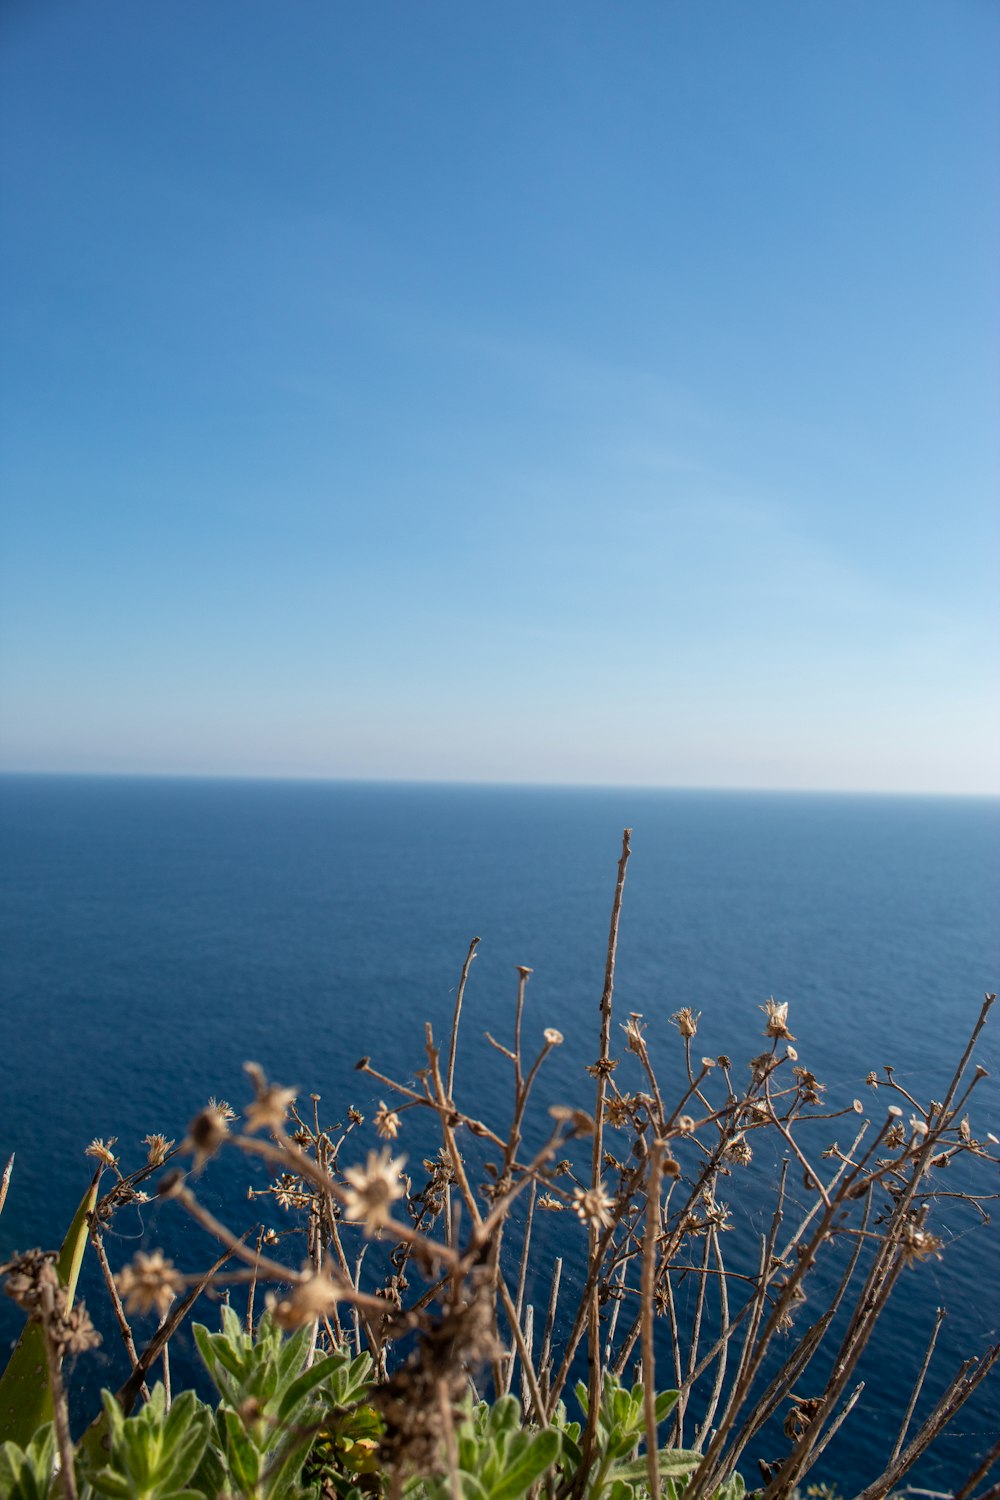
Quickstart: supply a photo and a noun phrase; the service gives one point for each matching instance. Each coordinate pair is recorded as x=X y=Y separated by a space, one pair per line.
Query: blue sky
x=568 y=392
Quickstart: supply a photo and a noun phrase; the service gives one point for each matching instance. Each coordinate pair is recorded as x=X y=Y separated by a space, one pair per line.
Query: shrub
x=408 y=1296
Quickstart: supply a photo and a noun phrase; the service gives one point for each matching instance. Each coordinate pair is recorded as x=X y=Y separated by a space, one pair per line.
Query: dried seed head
x=289 y=1192
x=207 y=1132
x=633 y=1034
x=739 y=1151
x=686 y=1021
x=386 y=1122
x=26 y=1275
x=593 y=1206
x=918 y=1244
x=312 y=1297
x=77 y=1333
x=222 y=1108
x=776 y=1022
x=102 y=1152
x=800 y=1416
x=271 y=1102
x=158 y=1149
x=685 y=1125
x=616 y=1112
x=373 y=1189
x=761 y=1065
x=149 y=1283
x=872 y=1080
x=553 y=1038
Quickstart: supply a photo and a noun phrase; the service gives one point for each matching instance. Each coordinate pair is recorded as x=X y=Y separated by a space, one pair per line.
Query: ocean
x=157 y=933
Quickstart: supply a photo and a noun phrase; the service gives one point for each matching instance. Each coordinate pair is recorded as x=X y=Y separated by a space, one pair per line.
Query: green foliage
x=285 y=1429
x=274 y=1405
x=25 y=1397
x=498 y=1458
x=26 y=1473
x=154 y=1454
x=616 y=1471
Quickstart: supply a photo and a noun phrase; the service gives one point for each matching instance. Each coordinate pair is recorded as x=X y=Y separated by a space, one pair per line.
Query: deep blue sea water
x=156 y=933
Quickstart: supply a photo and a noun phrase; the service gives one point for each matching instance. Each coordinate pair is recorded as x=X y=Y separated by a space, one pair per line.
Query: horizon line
x=485 y=783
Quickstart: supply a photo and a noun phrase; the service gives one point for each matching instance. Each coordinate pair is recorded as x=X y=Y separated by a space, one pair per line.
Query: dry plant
x=424 y=1279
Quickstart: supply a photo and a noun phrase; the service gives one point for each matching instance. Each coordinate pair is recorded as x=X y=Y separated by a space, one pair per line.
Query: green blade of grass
x=25 y=1398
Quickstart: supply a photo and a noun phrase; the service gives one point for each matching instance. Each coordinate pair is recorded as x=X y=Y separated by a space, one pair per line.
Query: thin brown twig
x=648 y=1350
x=917 y=1386
x=60 y=1411
x=603 y=1067
x=979 y=1472
x=459 y=998
x=124 y=1328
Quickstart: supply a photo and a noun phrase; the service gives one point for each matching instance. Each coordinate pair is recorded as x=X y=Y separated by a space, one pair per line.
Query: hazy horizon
x=14 y=773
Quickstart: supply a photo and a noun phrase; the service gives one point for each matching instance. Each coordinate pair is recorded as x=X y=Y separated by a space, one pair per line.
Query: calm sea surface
x=157 y=933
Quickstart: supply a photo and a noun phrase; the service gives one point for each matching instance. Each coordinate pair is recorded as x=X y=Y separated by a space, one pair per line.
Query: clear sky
x=575 y=391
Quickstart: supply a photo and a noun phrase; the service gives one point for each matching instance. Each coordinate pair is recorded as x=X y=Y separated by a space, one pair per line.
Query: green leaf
x=302 y=1387
x=665 y=1403
x=243 y=1458
x=220 y=1355
x=108 y=1481
x=472 y=1488
x=669 y=1461
x=25 y=1398
x=185 y=1435
x=505 y=1414
x=291 y=1355
x=537 y=1455
x=27 y=1474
